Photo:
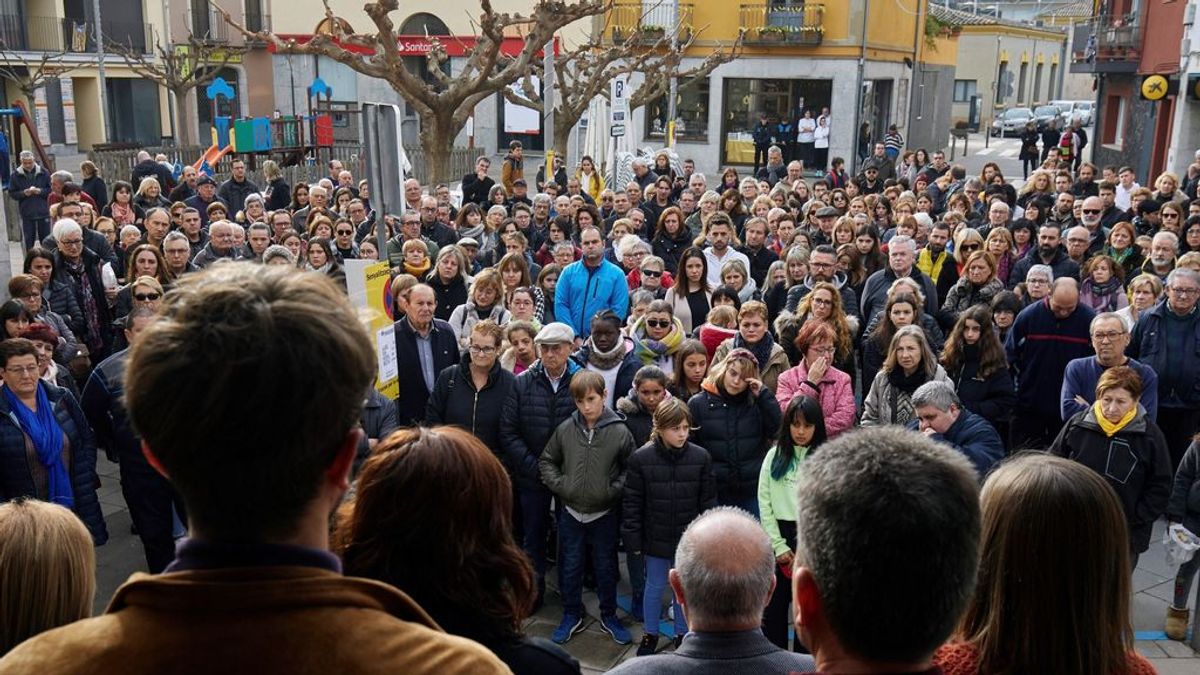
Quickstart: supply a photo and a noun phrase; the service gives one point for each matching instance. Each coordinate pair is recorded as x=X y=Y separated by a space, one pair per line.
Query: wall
x=1185 y=137
x=1139 y=126
x=929 y=120
x=1161 y=33
x=977 y=60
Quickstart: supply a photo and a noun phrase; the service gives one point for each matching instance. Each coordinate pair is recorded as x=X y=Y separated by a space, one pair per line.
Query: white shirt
x=805 y=128
x=1122 y=198
x=714 y=263
x=821 y=137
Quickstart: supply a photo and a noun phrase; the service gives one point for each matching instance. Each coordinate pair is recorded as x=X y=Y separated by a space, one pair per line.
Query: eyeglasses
x=820 y=265
x=1184 y=291
x=345 y=231
x=22 y=370
x=658 y=323
x=143 y=297
x=651 y=273
x=71 y=242
x=476 y=349
x=821 y=301
x=1107 y=336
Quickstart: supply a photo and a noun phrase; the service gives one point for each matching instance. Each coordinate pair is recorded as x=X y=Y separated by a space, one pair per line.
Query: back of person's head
x=246 y=391
x=888 y=534
x=451 y=549
x=726 y=567
x=47 y=570
x=1064 y=579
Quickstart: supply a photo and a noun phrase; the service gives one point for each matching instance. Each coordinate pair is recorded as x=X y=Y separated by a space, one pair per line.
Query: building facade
x=72 y=110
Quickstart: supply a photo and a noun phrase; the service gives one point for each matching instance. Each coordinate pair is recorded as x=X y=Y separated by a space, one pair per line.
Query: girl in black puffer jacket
x=649 y=389
x=668 y=482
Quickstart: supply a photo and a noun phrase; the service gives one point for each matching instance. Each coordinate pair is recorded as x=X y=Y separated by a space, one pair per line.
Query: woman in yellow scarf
x=1118 y=440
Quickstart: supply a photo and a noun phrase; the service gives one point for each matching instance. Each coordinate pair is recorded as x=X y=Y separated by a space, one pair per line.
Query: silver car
x=1012 y=122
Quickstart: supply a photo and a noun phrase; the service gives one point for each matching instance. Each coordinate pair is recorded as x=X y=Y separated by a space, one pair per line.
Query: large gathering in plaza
x=836 y=406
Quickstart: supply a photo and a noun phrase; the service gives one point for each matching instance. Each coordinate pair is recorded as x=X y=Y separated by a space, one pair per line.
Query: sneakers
x=649 y=645
x=567 y=629
x=1177 y=622
x=612 y=625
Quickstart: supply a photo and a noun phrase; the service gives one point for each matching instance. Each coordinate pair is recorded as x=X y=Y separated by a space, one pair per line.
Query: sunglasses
x=970 y=247
x=651 y=273
x=658 y=323
x=1091 y=211
x=345 y=231
x=143 y=297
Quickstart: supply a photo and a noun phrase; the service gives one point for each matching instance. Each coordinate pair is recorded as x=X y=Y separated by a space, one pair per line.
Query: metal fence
x=117 y=163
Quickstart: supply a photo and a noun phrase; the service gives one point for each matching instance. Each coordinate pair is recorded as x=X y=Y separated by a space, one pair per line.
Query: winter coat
x=1038 y=348
x=879 y=403
x=585 y=468
x=1148 y=344
x=874 y=295
x=992 y=398
x=95 y=188
x=414 y=396
x=965 y=295
x=850 y=304
x=1113 y=301
x=835 y=393
x=31 y=207
x=532 y=412
x=1061 y=265
x=234 y=193
x=149 y=167
x=671 y=249
x=455 y=400
x=737 y=431
x=449 y=296
x=777 y=363
x=1184 y=503
x=208 y=255
x=665 y=490
x=464 y=318
x=874 y=354
x=91 y=275
x=23 y=475
x=975 y=438
x=59 y=296
x=1140 y=471
x=583 y=291
x=677 y=297
x=1082 y=375
x=637 y=419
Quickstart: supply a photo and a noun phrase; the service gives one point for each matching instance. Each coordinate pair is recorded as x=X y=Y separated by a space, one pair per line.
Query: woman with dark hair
x=650 y=388
x=299 y=197
x=15 y=318
x=122 y=209
x=321 y=259
x=608 y=352
x=28 y=289
x=560 y=230
x=47 y=450
x=1065 y=578
x=731 y=203
x=866 y=240
x=671 y=237
x=691 y=367
x=145 y=260
x=57 y=295
x=1122 y=247
x=974 y=359
x=724 y=295
x=729 y=180
x=902 y=309
x=1005 y=308
x=690 y=297
x=801 y=433
x=452 y=551
x=1118 y=440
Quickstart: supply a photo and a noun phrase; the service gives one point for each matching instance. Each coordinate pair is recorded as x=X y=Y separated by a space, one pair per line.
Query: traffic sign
x=619 y=92
x=616 y=130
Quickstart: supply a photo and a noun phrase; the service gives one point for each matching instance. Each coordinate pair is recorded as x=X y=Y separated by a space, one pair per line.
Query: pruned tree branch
x=29 y=74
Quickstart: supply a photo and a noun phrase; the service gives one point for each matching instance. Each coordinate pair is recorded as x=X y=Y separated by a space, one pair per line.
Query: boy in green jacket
x=584 y=466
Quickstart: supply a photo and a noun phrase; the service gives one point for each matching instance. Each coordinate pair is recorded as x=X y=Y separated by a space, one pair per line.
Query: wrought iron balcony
x=649 y=24
x=1107 y=44
x=777 y=23
x=63 y=34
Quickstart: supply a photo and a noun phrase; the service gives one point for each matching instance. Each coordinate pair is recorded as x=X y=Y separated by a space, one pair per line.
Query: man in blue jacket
x=1110 y=339
x=941 y=417
x=1044 y=338
x=589 y=285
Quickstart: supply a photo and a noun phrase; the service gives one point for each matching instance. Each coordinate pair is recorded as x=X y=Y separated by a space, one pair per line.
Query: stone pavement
x=596 y=651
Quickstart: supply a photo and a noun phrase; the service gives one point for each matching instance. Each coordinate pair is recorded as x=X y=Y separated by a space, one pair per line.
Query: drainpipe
x=858 y=94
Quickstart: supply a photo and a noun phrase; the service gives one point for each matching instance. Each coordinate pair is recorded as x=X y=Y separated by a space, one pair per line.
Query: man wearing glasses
x=1110 y=339
x=410 y=228
x=1167 y=338
x=822 y=267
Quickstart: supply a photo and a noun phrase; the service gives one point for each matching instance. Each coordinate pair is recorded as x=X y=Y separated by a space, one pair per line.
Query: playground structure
x=290 y=140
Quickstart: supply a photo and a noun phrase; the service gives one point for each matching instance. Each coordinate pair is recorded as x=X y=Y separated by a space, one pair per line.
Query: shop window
x=691 y=112
x=744 y=98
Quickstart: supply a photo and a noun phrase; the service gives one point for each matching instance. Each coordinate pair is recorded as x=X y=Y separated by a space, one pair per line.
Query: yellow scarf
x=1107 y=427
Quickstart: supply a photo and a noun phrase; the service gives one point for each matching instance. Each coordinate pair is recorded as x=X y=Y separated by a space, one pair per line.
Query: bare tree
x=442 y=101
x=29 y=75
x=584 y=72
x=180 y=69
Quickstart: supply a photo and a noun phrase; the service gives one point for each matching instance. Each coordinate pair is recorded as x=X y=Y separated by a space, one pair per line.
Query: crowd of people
x=681 y=370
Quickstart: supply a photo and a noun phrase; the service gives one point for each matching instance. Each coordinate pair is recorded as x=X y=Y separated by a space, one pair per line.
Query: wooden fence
x=118 y=164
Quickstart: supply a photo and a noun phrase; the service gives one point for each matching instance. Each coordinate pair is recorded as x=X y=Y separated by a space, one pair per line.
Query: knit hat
x=276 y=251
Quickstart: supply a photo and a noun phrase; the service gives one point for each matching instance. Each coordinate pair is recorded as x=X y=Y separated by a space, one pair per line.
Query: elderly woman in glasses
x=471 y=394
x=79 y=268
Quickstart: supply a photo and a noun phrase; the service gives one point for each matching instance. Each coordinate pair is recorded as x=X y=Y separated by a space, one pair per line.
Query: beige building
x=69 y=108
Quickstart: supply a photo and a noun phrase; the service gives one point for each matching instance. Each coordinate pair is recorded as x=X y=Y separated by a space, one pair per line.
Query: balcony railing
x=777 y=23
x=58 y=34
x=649 y=23
x=1107 y=43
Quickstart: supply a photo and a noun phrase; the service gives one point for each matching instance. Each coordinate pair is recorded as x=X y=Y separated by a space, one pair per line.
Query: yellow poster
x=370 y=287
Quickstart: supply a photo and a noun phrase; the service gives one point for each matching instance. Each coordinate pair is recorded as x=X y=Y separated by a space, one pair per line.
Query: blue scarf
x=42 y=428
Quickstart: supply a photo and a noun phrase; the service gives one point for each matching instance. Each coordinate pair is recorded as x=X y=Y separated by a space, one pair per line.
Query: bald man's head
x=1064 y=297
x=726 y=570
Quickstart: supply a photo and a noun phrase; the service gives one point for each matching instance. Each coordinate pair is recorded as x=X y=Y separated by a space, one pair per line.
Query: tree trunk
x=183 y=131
x=438 y=131
x=562 y=135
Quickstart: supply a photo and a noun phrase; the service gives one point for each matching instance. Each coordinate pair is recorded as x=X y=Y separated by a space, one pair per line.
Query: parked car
x=1011 y=122
x=1085 y=111
x=1044 y=114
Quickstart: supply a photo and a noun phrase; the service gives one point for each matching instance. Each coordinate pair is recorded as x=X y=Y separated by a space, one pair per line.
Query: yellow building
x=68 y=107
x=861 y=61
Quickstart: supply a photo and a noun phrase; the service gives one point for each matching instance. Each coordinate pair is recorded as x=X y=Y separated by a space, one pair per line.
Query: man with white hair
x=146 y=166
x=942 y=417
x=1163 y=248
x=697 y=183
x=221 y=245
x=724 y=575
x=318 y=200
x=901 y=263
x=29 y=185
x=642 y=174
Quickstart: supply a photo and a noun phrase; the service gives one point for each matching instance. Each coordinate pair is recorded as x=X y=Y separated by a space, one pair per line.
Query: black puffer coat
x=637 y=419
x=737 y=431
x=992 y=398
x=455 y=401
x=664 y=491
x=531 y=413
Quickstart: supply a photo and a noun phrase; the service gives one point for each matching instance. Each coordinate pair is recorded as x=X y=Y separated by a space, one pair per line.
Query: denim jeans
x=535 y=525
x=656 y=582
x=573 y=538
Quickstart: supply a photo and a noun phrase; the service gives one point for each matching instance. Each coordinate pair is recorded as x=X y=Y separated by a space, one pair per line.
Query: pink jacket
x=835 y=392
